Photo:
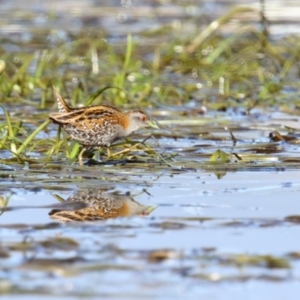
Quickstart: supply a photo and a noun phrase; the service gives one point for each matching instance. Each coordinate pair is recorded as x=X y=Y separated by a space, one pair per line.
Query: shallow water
x=200 y=222
x=216 y=229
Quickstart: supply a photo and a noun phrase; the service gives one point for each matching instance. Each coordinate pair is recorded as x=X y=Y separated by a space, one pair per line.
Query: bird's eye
x=143 y=118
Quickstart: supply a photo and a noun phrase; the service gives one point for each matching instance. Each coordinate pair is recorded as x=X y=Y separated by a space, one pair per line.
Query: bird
x=98 y=126
x=102 y=205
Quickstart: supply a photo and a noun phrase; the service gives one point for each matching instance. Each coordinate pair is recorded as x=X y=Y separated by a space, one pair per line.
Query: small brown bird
x=103 y=205
x=98 y=126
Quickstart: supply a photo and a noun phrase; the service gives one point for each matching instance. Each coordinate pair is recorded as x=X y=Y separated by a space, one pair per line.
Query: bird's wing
x=87 y=117
x=66 y=117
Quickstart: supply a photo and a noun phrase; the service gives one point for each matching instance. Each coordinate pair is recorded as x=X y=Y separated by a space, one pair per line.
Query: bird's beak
x=149 y=210
x=152 y=124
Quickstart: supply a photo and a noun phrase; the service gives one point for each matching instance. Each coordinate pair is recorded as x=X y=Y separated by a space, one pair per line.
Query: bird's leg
x=80 y=156
x=108 y=152
x=132 y=147
x=126 y=150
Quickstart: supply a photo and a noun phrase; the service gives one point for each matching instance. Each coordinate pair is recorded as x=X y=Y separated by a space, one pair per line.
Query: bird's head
x=138 y=119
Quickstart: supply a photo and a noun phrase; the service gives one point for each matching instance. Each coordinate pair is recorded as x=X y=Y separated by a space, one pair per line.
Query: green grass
x=244 y=69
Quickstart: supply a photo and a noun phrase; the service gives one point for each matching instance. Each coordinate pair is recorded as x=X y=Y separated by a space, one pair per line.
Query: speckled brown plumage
x=103 y=205
x=97 y=126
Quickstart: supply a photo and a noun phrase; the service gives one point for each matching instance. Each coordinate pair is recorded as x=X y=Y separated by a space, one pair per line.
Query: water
x=18 y=18
x=238 y=214
x=212 y=230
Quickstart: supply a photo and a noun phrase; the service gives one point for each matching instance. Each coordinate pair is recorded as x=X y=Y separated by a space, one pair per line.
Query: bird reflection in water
x=102 y=205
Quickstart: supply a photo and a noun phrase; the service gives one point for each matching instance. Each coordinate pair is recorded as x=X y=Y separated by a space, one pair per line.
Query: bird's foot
x=126 y=150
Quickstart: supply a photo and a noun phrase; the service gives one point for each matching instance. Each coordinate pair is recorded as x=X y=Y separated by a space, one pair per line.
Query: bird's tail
x=61 y=103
